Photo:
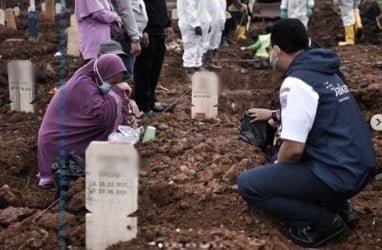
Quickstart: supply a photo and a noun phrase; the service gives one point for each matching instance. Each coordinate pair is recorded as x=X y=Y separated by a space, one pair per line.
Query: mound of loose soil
x=188 y=193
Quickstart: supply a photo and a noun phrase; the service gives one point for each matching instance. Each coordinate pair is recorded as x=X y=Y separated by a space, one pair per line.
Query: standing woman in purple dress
x=94 y=18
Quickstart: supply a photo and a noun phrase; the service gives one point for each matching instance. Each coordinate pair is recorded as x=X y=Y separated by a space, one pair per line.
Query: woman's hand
x=134 y=108
x=260 y=114
x=126 y=88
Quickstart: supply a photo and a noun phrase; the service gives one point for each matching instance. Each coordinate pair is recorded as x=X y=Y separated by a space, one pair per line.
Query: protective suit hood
x=319 y=60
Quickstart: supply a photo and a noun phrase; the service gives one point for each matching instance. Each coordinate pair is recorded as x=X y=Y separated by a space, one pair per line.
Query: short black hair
x=268 y=28
x=290 y=35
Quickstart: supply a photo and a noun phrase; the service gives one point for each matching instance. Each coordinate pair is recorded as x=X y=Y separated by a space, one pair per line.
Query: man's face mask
x=274 y=56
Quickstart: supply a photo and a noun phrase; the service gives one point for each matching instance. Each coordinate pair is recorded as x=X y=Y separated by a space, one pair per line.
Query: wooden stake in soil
x=111 y=194
x=32 y=5
x=2 y=17
x=174 y=14
x=205 y=87
x=50 y=11
x=58 y=8
x=21 y=85
x=43 y=7
x=10 y=19
x=16 y=10
x=73 y=38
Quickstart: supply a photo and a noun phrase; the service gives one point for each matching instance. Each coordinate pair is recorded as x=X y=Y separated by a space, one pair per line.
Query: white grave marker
x=21 y=85
x=58 y=8
x=2 y=17
x=16 y=10
x=10 y=19
x=32 y=6
x=205 y=87
x=111 y=193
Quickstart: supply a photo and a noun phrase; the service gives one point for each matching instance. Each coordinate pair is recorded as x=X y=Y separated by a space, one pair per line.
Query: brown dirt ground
x=187 y=193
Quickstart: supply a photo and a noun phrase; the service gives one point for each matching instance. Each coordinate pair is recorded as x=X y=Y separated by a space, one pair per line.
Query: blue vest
x=339 y=148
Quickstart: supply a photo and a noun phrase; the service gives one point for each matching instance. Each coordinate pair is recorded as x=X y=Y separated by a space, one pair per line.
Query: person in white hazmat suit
x=217 y=11
x=194 y=24
x=300 y=9
x=351 y=20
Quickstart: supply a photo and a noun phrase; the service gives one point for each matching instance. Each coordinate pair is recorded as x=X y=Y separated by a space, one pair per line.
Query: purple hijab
x=78 y=114
x=84 y=8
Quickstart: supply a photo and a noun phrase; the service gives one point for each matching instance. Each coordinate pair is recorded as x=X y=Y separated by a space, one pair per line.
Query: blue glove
x=283 y=13
x=309 y=11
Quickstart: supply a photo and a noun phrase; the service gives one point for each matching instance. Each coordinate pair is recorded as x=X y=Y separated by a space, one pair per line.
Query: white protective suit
x=347 y=11
x=217 y=11
x=193 y=13
x=297 y=9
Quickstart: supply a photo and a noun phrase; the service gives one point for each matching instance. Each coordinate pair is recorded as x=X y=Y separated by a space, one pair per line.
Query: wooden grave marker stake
x=111 y=193
x=32 y=5
x=10 y=19
x=174 y=14
x=50 y=10
x=58 y=8
x=16 y=10
x=13 y=81
x=21 y=85
x=73 y=47
x=2 y=17
x=205 y=88
x=43 y=7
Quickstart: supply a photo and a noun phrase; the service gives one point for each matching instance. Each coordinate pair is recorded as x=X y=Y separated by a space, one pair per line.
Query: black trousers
x=291 y=192
x=147 y=69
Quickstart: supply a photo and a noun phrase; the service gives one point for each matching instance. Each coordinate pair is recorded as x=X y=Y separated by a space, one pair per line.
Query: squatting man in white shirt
x=326 y=154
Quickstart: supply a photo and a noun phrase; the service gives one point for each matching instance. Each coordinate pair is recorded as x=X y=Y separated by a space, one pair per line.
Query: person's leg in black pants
x=289 y=191
x=147 y=69
x=142 y=77
x=160 y=51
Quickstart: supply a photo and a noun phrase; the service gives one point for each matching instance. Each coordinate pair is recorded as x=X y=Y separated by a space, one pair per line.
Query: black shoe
x=348 y=214
x=309 y=237
x=160 y=107
x=189 y=72
x=150 y=114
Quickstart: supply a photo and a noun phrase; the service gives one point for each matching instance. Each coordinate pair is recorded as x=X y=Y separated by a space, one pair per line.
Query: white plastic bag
x=126 y=134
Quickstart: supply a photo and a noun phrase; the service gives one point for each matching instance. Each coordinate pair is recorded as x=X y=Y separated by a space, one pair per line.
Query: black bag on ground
x=73 y=169
x=258 y=133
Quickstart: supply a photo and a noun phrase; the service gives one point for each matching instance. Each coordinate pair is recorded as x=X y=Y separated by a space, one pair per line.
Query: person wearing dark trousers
x=326 y=154
x=148 y=65
x=134 y=17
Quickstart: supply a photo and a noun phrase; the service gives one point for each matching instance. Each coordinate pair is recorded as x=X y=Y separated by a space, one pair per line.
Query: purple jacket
x=94 y=25
x=78 y=114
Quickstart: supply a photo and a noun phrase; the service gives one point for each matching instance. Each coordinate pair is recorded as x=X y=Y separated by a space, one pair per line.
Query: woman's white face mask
x=274 y=58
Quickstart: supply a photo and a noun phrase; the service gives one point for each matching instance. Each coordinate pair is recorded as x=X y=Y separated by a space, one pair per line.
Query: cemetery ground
x=187 y=187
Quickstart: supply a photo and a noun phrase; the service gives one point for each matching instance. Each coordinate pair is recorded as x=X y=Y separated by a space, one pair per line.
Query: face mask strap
x=96 y=70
